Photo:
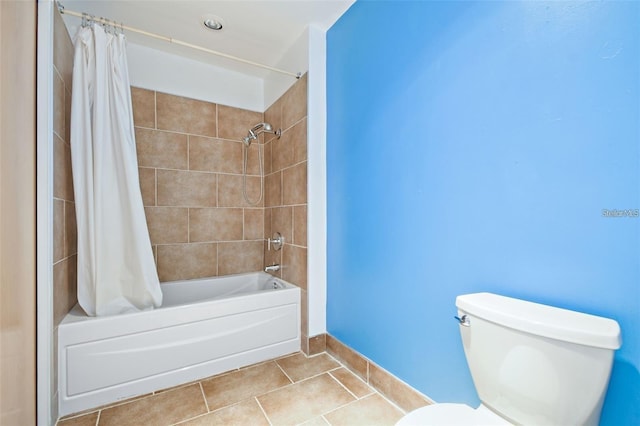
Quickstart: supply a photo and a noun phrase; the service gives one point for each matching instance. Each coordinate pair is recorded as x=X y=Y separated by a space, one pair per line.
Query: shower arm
x=255 y=131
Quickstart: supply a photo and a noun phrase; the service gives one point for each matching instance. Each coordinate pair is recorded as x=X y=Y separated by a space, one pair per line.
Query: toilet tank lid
x=542 y=320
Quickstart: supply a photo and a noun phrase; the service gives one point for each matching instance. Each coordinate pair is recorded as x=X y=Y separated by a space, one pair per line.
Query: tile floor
x=291 y=390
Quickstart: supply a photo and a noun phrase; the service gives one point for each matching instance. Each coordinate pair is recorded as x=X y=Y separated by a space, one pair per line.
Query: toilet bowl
x=526 y=362
x=452 y=415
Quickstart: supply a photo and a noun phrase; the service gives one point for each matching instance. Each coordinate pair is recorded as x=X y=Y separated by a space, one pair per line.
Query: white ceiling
x=257 y=30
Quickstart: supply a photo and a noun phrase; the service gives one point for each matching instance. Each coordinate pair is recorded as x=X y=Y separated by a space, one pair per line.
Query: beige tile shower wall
x=190 y=158
x=286 y=189
x=64 y=213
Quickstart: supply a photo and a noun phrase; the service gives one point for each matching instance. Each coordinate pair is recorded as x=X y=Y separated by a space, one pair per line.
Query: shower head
x=262 y=127
x=257 y=129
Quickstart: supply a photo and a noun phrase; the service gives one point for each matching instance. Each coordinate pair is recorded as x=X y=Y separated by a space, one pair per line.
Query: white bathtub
x=205 y=327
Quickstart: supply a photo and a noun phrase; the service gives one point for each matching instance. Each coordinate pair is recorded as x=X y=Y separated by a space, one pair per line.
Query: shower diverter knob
x=277 y=241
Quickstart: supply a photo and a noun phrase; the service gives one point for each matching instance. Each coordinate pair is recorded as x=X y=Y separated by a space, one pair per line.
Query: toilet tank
x=535 y=364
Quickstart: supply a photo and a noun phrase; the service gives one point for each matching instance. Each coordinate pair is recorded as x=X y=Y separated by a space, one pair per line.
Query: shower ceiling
x=258 y=30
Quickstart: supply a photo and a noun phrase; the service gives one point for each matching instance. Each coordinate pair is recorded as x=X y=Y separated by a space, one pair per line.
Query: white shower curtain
x=116 y=269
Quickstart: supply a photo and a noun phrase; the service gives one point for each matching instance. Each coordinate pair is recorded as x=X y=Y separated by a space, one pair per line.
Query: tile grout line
x=155 y=186
x=311 y=377
x=182 y=133
x=188 y=151
x=98 y=418
x=299 y=381
x=205 y=242
x=373 y=393
x=263 y=411
x=285 y=373
x=64 y=229
x=191 y=418
x=217 y=190
x=375 y=390
x=368 y=373
x=337 y=408
x=209 y=172
x=345 y=388
x=294 y=124
x=348 y=403
x=155 y=109
x=206 y=404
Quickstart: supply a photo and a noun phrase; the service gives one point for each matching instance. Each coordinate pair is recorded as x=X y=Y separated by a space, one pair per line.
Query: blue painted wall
x=472 y=146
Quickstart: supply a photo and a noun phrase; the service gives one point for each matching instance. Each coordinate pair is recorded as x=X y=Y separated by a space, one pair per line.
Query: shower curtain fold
x=116 y=268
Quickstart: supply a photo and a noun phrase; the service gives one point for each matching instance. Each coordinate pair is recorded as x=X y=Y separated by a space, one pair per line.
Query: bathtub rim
x=261 y=278
x=77 y=315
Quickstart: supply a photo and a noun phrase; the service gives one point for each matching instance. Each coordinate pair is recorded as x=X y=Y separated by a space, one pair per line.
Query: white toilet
x=531 y=364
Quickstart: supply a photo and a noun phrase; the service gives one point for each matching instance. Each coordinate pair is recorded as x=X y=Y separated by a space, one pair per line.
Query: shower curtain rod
x=64 y=11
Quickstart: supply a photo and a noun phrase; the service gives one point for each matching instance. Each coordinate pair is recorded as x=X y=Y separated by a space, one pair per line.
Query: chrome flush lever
x=463 y=320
